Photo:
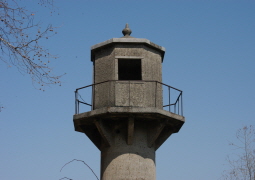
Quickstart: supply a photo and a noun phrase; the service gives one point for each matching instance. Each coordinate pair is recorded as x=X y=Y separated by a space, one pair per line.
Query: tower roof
x=127 y=39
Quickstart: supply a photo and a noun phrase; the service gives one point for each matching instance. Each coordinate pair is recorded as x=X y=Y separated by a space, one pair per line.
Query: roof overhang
x=128 y=41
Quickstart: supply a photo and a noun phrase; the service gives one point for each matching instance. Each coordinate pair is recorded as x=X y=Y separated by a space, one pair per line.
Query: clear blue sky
x=210 y=55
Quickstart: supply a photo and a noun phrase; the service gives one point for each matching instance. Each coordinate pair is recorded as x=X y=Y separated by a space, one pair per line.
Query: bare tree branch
x=243 y=166
x=65 y=178
x=83 y=163
x=20 y=42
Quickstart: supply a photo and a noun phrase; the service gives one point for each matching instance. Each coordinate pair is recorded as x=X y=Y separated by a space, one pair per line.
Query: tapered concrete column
x=123 y=161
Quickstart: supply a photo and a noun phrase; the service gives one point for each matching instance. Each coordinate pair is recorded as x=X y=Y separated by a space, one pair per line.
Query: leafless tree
x=20 y=42
x=243 y=166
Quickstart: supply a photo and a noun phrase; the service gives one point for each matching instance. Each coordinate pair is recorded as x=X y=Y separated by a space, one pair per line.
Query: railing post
x=129 y=93
x=169 y=99
x=78 y=106
x=92 y=97
x=181 y=105
x=178 y=105
x=156 y=89
x=75 y=97
x=114 y=90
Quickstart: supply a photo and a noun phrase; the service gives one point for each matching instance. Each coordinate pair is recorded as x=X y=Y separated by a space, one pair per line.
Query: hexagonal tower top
x=127 y=39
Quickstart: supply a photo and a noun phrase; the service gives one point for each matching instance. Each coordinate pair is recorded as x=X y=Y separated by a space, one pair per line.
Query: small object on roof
x=126 y=31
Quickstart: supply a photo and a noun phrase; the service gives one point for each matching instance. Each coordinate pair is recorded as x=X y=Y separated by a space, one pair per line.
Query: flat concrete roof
x=128 y=40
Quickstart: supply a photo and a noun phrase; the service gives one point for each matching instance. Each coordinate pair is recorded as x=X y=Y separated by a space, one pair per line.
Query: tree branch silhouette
x=83 y=163
x=21 y=42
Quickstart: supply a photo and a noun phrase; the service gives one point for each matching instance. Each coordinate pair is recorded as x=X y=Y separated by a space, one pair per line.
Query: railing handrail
x=128 y=80
x=178 y=101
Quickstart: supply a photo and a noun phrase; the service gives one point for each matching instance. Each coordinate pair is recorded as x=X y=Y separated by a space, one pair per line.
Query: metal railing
x=174 y=96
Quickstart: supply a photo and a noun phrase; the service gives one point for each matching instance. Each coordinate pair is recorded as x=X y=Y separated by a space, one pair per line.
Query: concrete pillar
x=133 y=161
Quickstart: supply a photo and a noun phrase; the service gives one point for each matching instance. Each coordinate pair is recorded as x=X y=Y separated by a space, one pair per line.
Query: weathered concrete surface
x=144 y=94
x=134 y=111
x=128 y=138
x=128 y=94
x=127 y=123
x=128 y=41
x=128 y=166
x=128 y=162
x=158 y=123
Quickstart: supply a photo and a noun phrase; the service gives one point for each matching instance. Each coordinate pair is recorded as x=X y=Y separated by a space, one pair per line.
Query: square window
x=129 y=69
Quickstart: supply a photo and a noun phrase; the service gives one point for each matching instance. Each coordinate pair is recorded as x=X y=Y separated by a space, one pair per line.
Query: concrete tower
x=127 y=121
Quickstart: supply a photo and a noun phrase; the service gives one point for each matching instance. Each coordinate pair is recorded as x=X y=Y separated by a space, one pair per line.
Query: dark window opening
x=129 y=69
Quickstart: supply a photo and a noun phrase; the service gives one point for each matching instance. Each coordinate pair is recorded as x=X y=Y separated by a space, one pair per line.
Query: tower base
x=128 y=138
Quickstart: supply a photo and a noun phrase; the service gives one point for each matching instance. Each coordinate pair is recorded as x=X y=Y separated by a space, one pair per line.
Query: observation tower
x=132 y=111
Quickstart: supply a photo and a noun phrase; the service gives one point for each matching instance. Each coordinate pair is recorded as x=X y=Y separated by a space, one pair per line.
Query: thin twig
x=65 y=178
x=83 y=163
x=20 y=43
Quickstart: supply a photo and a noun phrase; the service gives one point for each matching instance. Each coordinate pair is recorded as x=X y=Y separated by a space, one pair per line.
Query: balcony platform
x=160 y=124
